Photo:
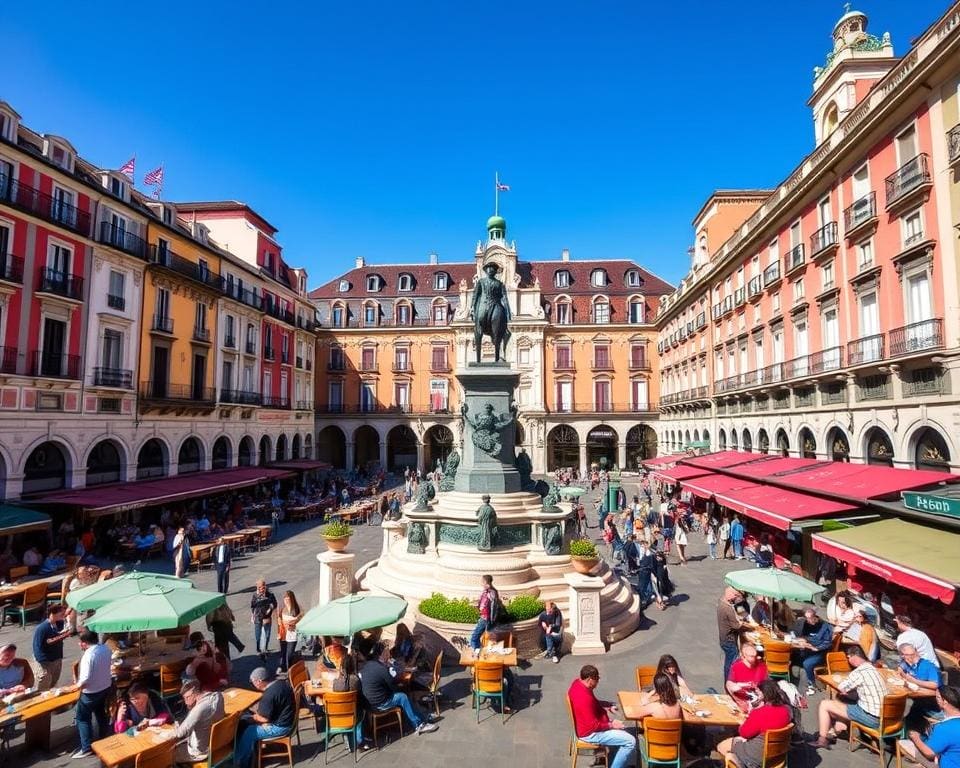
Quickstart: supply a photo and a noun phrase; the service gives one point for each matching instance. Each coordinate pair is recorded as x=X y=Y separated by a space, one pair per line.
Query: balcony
x=605 y=407
x=916 y=337
x=284 y=358
x=230 y=342
x=772 y=374
x=701 y=321
x=199 y=273
x=869 y=349
x=116 y=302
x=335 y=365
x=564 y=365
x=797 y=367
x=162 y=324
x=243 y=295
x=281 y=403
x=639 y=364
x=240 y=397
x=824 y=240
x=860 y=214
x=304 y=405
x=439 y=366
x=250 y=348
x=298 y=361
x=754 y=287
x=716 y=311
x=603 y=364
x=794 y=259
x=268 y=354
x=873 y=388
x=727 y=305
x=177 y=393
x=740 y=296
x=113 y=377
x=368 y=366
x=119 y=238
x=36 y=203
x=201 y=334
x=8 y=359
x=829 y=359
x=402 y=366
x=907 y=182
x=11 y=268
x=59 y=284
x=55 y=365
x=953 y=144
x=771 y=275
x=309 y=364
x=273 y=308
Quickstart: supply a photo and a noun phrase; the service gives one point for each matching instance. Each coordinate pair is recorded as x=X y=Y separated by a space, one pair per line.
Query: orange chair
x=18 y=572
x=341 y=720
x=837 y=663
x=34 y=599
x=834 y=648
x=160 y=756
x=505 y=637
x=776 y=746
x=891 y=727
x=488 y=684
x=661 y=741
x=222 y=737
x=645 y=677
x=576 y=744
x=777 y=658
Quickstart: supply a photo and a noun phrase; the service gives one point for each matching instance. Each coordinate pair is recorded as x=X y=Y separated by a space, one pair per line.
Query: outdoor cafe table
x=153 y=658
x=507 y=659
x=123 y=748
x=239 y=699
x=720 y=710
x=894 y=684
x=35 y=714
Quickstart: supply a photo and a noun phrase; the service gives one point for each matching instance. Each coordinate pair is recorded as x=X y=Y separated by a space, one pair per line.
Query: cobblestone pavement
x=536 y=734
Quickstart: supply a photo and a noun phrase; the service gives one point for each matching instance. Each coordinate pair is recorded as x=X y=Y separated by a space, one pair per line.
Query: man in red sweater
x=592 y=721
x=746 y=674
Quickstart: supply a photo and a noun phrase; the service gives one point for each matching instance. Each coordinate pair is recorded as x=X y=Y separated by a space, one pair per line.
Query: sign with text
x=927 y=502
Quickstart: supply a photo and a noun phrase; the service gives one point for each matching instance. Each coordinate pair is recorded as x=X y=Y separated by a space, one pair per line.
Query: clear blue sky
x=374 y=128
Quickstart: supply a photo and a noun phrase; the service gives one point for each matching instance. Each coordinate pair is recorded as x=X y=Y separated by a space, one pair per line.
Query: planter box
x=450 y=638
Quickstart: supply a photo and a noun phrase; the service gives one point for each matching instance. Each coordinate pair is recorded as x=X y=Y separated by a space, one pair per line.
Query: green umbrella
x=774 y=583
x=572 y=490
x=346 y=615
x=94 y=596
x=155 y=608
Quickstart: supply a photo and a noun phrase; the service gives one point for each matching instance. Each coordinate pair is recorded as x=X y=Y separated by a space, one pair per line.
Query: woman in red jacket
x=771 y=712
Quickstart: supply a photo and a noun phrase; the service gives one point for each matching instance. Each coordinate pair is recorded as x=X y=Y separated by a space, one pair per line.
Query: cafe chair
x=223 y=736
x=433 y=692
x=837 y=663
x=776 y=747
x=576 y=745
x=34 y=599
x=777 y=658
x=341 y=720
x=488 y=684
x=891 y=727
x=160 y=756
x=281 y=746
x=297 y=674
x=384 y=718
x=18 y=572
x=834 y=648
x=55 y=592
x=170 y=680
x=661 y=741
x=497 y=637
x=645 y=677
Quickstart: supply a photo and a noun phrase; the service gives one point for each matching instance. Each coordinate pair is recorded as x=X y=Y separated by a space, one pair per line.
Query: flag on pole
x=503 y=187
x=127 y=168
x=155 y=179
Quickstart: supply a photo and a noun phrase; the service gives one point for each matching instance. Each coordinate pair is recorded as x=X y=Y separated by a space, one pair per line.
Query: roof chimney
x=565 y=254
x=360 y=262
x=434 y=259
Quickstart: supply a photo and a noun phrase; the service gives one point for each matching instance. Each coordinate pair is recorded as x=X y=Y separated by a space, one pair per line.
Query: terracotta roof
x=580 y=272
x=422 y=275
x=225 y=205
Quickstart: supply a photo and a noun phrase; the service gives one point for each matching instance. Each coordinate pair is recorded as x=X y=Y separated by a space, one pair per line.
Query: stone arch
x=563 y=447
x=696 y=435
x=706 y=437
x=47 y=467
x=308 y=445
x=783 y=442
x=734 y=440
x=265 y=454
x=686 y=438
x=295 y=447
x=153 y=459
x=438 y=443
x=106 y=462
x=929 y=449
x=221 y=455
x=837 y=444
x=332 y=447
x=366 y=446
x=722 y=439
x=246 y=452
x=602 y=444
x=763 y=441
x=281 y=452
x=190 y=455
x=878 y=446
x=806 y=443
x=402 y=446
x=747 y=440
x=641 y=444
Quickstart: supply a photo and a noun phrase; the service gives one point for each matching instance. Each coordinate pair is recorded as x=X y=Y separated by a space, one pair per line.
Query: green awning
x=918 y=557
x=19 y=520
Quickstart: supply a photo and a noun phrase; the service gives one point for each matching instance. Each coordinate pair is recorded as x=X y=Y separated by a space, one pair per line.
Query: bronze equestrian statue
x=490 y=311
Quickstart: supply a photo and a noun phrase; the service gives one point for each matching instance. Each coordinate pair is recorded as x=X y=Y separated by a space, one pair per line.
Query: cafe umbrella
x=772 y=582
x=346 y=615
x=572 y=490
x=94 y=596
x=160 y=607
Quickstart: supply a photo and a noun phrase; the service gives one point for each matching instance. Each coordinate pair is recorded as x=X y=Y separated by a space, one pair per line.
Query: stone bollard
x=336 y=575
x=584 y=596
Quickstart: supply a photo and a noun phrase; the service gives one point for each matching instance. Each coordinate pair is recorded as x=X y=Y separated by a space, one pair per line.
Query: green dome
x=497 y=222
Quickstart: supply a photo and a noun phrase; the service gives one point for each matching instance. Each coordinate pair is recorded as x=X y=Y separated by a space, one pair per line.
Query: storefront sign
x=937 y=505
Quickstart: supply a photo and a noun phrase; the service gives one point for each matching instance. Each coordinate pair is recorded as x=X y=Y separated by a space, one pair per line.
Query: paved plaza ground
x=536 y=734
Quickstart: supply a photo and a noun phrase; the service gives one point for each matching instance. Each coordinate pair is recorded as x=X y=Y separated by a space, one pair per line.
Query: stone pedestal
x=488 y=384
x=336 y=575
x=584 y=613
x=393 y=531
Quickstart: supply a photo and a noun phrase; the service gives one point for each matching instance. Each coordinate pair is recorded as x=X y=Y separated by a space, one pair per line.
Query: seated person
x=765 y=552
x=275 y=716
x=140 y=708
x=333 y=652
x=869 y=685
x=210 y=667
x=142 y=542
x=919 y=672
x=783 y=616
x=771 y=713
x=761 y=611
x=867 y=638
x=53 y=562
x=16 y=675
x=816 y=638
x=943 y=741
x=745 y=676
x=347 y=679
x=551 y=624
x=668 y=666
x=32 y=559
x=380 y=690
x=845 y=614
x=591 y=718
x=662 y=702
x=193 y=732
x=408 y=648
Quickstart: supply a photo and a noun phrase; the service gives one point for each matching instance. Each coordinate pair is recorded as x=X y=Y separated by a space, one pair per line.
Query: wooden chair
x=776 y=746
x=384 y=718
x=891 y=727
x=341 y=720
x=434 y=691
x=488 y=684
x=837 y=663
x=661 y=741
x=55 y=592
x=834 y=648
x=223 y=736
x=645 y=677
x=281 y=746
x=160 y=756
x=505 y=637
x=297 y=675
x=777 y=658
x=34 y=599
x=170 y=680
x=18 y=572
x=576 y=744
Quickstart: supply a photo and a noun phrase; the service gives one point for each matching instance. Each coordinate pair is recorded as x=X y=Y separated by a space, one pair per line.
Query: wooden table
x=153 y=658
x=318 y=686
x=35 y=714
x=720 y=709
x=121 y=748
x=892 y=681
x=239 y=699
x=507 y=659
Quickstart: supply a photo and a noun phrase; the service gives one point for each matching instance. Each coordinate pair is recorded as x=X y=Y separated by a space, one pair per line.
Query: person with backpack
x=490 y=609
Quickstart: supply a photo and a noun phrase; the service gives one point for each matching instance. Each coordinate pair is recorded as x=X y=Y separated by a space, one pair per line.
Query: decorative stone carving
x=417 y=537
x=551 y=499
x=487 y=426
x=469 y=535
x=450 y=471
x=487 y=525
x=552 y=539
x=422 y=499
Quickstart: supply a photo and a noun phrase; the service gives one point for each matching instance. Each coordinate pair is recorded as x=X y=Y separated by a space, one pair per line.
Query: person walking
x=220 y=622
x=712 y=539
x=736 y=536
x=289 y=613
x=48 y=640
x=94 y=681
x=263 y=604
x=681 y=540
x=728 y=626
x=223 y=559
x=181 y=553
x=723 y=535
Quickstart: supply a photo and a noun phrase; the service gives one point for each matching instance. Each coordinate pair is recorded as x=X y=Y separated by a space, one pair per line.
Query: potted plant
x=583 y=555
x=337 y=535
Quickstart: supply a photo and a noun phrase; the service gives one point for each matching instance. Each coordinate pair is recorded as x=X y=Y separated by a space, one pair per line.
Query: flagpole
x=496 y=193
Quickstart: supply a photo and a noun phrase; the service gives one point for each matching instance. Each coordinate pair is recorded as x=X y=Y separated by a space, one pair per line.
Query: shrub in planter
x=459 y=610
x=336 y=529
x=583 y=548
x=523 y=607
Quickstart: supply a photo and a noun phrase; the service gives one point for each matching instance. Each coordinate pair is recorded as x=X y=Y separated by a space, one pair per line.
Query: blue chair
x=488 y=684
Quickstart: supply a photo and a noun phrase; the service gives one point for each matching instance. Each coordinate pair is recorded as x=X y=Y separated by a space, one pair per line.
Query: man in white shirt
x=94 y=681
x=910 y=635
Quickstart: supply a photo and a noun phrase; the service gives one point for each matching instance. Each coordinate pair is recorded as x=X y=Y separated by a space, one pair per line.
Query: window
x=60 y=156
x=633 y=278
x=62 y=206
x=401 y=359
x=370 y=314
x=637 y=314
x=598 y=278
x=601 y=356
x=368 y=398
x=831 y=332
x=406 y=282
x=373 y=283
x=564 y=396
x=865 y=255
x=403 y=314
x=801 y=347
x=440 y=314
x=336 y=358
x=228 y=336
x=251 y=339
x=601 y=312
x=564 y=315
x=401 y=395
x=639 y=394
x=861 y=188
x=344 y=286
x=758 y=352
x=638 y=356
x=773 y=253
x=918 y=298
x=268 y=261
x=798 y=293
x=167 y=215
x=112 y=349
x=338 y=317
x=906 y=146
x=823 y=211
x=438 y=396
x=285 y=347
x=778 y=345
x=368 y=358
x=335 y=395
x=523 y=355
x=912 y=228
x=6 y=127
x=564 y=356
x=795 y=234
x=827 y=276
x=163 y=303
x=601 y=395
x=438 y=357
x=440 y=281
x=200 y=320
x=115 y=296
x=117 y=187
x=561 y=279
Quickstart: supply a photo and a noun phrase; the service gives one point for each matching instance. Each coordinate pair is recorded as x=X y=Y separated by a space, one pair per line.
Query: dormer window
x=633 y=278
x=167 y=215
x=440 y=281
x=60 y=156
x=118 y=188
x=373 y=283
x=268 y=261
x=8 y=126
x=201 y=233
x=344 y=286
x=403 y=314
x=406 y=282
x=561 y=278
x=598 y=278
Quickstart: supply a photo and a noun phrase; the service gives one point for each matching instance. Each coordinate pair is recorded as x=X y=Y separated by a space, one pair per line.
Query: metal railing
x=186 y=393
x=868 y=349
x=121 y=239
x=564 y=365
x=240 y=397
x=251 y=347
x=912 y=174
x=829 y=359
x=925 y=381
x=335 y=365
x=55 y=365
x=229 y=341
x=402 y=366
x=860 y=211
x=874 y=387
x=771 y=274
x=113 y=377
x=639 y=364
x=8 y=359
x=243 y=295
x=437 y=366
x=43 y=206
x=754 y=286
x=116 y=302
x=798 y=366
x=11 y=268
x=164 y=257
x=772 y=374
x=59 y=283
x=283 y=403
x=201 y=334
x=804 y=398
x=162 y=323
x=823 y=238
x=739 y=296
x=369 y=365
x=953 y=143
x=794 y=258
x=268 y=353
x=835 y=394
x=916 y=337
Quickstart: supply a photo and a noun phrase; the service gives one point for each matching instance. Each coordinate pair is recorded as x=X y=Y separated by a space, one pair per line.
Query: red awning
x=859 y=482
x=678 y=473
x=778 y=507
x=722 y=459
x=301 y=465
x=107 y=499
x=711 y=485
x=770 y=466
x=663 y=461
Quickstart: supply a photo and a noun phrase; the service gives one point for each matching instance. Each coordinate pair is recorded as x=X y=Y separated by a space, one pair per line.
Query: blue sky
x=375 y=128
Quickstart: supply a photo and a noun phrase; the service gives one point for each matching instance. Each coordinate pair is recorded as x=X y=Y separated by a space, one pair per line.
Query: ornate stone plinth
x=336 y=575
x=488 y=423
